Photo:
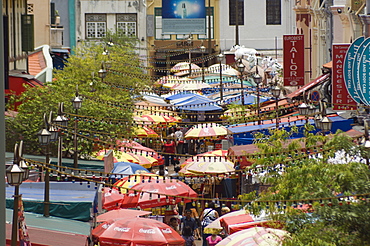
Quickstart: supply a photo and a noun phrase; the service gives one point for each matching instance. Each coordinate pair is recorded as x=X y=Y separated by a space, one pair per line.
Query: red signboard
x=293 y=46
x=341 y=98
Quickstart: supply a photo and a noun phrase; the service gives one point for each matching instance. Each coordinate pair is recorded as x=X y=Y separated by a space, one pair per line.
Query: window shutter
x=27 y=33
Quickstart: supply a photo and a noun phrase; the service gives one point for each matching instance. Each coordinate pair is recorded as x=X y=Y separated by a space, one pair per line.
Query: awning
x=308 y=86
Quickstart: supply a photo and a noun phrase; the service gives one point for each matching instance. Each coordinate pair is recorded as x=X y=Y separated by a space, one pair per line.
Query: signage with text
x=293 y=46
x=183 y=17
x=340 y=97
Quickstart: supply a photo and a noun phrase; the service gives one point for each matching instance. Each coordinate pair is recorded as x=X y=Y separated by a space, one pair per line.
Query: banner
x=183 y=17
x=24 y=238
x=293 y=48
x=340 y=96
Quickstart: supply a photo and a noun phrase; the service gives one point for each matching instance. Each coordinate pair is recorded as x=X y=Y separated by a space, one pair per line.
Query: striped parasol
x=209 y=153
x=128 y=182
x=207 y=130
x=209 y=165
x=145 y=132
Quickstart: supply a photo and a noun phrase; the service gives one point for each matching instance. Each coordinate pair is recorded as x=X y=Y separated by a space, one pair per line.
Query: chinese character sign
x=293 y=46
x=340 y=96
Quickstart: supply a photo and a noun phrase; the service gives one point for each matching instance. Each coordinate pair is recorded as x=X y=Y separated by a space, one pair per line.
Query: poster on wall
x=183 y=17
x=293 y=51
x=341 y=98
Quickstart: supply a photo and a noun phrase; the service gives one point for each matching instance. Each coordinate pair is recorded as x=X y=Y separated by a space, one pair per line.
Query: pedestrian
x=188 y=221
x=179 y=140
x=208 y=216
x=169 y=151
x=188 y=237
x=174 y=224
x=213 y=239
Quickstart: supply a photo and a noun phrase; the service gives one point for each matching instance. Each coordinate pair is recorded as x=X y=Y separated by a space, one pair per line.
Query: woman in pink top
x=213 y=240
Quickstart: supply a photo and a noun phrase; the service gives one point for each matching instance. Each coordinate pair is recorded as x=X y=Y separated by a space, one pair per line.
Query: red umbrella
x=120 y=214
x=149 y=196
x=111 y=198
x=135 y=232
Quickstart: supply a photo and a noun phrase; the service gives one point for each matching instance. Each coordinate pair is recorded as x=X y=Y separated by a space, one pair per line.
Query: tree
x=107 y=108
x=337 y=214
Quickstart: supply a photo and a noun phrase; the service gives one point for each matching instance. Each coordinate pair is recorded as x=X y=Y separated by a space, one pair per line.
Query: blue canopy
x=248 y=99
x=127 y=168
x=189 y=97
x=194 y=102
x=201 y=108
x=245 y=134
x=179 y=95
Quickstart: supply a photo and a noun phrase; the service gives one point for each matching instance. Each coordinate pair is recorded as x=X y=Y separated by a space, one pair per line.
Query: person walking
x=213 y=240
x=179 y=140
x=188 y=221
x=208 y=216
x=169 y=151
x=188 y=237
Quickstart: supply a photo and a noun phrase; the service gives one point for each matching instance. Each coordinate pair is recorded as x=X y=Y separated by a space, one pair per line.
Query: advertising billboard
x=183 y=17
x=293 y=46
x=341 y=98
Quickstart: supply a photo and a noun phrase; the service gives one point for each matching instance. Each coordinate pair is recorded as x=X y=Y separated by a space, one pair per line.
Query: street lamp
x=61 y=122
x=15 y=175
x=44 y=139
x=203 y=49
x=102 y=72
x=258 y=79
x=241 y=68
x=323 y=122
x=220 y=57
x=189 y=41
x=76 y=103
x=275 y=91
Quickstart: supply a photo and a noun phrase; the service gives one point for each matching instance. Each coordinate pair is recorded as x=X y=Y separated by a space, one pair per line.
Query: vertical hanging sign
x=293 y=46
x=340 y=97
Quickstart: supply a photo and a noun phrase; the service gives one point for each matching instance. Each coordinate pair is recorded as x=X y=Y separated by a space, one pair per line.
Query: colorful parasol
x=190 y=86
x=136 y=231
x=154 y=118
x=145 y=132
x=215 y=226
x=172 y=192
x=111 y=198
x=207 y=130
x=209 y=153
x=128 y=182
x=120 y=214
x=255 y=236
x=209 y=165
x=181 y=66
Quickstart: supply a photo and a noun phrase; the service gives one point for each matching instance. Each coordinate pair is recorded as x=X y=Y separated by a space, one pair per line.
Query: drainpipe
x=14 y=37
x=365 y=19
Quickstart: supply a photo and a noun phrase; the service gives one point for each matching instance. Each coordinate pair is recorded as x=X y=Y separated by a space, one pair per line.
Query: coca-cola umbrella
x=158 y=193
x=111 y=198
x=135 y=232
x=126 y=183
x=120 y=214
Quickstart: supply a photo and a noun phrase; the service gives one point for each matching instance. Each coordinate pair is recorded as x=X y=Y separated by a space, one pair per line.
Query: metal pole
x=236 y=22
x=2 y=132
x=189 y=61
x=209 y=28
x=258 y=104
x=242 y=86
x=15 y=216
x=75 y=154
x=47 y=183
x=277 y=112
x=60 y=146
x=221 y=85
x=203 y=67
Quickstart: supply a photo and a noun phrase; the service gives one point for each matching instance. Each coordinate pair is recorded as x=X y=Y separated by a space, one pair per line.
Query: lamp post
x=44 y=140
x=202 y=49
x=322 y=122
x=15 y=175
x=241 y=68
x=102 y=72
x=61 y=122
x=220 y=57
x=366 y=143
x=258 y=79
x=275 y=91
x=76 y=103
x=189 y=41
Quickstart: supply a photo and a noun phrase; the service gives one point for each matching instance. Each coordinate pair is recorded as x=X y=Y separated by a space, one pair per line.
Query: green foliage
x=103 y=121
x=335 y=221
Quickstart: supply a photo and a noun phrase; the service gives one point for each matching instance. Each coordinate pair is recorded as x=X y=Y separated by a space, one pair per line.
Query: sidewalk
x=51 y=231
